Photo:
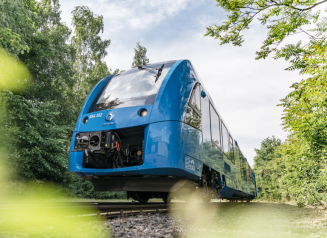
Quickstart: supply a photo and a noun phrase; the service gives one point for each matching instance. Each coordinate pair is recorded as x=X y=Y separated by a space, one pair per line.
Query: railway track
x=86 y=209
x=110 y=210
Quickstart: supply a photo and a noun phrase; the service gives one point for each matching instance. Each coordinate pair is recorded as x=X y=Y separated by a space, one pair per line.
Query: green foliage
x=90 y=52
x=15 y=21
x=38 y=118
x=287 y=171
x=140 y=56
x=267 y=169
x=283 y=18
x=267 y=152
x=300 y=161
x=84 y=188
x=37 y=144
x=303 y=176
x=37 y=123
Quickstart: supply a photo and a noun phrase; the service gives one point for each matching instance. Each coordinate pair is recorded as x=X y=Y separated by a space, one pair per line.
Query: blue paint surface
x=226 y=166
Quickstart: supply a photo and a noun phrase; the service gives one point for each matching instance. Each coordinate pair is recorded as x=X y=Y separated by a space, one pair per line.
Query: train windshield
x=134 y=87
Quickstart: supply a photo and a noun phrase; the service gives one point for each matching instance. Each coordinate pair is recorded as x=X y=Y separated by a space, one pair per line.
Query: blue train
x=154 y=131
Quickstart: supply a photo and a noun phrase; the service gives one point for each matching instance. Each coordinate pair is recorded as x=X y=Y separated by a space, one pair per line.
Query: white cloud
x=129 y=14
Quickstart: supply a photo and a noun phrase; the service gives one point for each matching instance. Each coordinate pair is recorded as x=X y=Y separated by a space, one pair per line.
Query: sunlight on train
x=31 y=209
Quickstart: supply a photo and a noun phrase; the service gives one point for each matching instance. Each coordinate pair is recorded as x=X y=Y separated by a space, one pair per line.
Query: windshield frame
x=154 y=66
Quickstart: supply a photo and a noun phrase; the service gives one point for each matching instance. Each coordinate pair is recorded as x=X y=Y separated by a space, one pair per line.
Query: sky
x=245 y=91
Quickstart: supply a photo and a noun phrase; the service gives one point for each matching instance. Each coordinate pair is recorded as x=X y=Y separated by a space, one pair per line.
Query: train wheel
x=143 y=200
x=166 y=200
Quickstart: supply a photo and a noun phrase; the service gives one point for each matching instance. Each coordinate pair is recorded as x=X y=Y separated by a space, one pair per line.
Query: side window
x=215 y=129
x=198 y=97
x=195 y=100
x=193 y=111
x=251 y=175
x=232 y=149
x=205 y=110
x=192 y=118
x=243 y=167
x=225 y=137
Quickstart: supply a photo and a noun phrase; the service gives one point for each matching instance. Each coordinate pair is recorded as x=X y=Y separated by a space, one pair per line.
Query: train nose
x=115 y=119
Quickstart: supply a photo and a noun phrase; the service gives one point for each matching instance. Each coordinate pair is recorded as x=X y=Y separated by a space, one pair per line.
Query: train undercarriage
x=143 y=188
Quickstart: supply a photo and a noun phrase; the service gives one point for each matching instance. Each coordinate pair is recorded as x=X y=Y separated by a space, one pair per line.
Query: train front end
x=129 y=135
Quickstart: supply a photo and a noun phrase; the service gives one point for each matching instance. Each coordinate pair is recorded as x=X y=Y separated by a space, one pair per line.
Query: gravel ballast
x=151 y=225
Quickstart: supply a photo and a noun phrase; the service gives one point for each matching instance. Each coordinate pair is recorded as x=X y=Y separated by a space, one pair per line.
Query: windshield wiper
x=159 y=72
x=149 y=70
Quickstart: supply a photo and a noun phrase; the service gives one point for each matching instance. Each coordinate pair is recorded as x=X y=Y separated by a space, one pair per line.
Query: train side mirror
x=203 y=94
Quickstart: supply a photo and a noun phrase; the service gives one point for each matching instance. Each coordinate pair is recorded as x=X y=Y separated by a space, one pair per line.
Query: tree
x=89 y=63
x=267 y=152
x=38 y=118
x=286 y=18
x=267 y=167
x=304 y=107
x=305 y=117
x=15 y=24
x=140 y=56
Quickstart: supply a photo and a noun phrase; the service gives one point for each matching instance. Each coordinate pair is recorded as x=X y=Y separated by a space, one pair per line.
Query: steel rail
x=89 y=208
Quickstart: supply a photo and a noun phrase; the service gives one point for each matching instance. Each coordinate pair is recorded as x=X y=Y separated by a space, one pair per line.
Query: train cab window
x=215 y=128
x=193 y=114
x=225 y=137
x=232 y=149
x=135 y=87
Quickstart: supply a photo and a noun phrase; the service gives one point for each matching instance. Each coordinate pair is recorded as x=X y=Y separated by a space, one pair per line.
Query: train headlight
x=143 y=112
x=85 y=120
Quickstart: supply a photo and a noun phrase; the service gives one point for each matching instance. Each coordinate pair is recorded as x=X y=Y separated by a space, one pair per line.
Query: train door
x=248 y=177
x=238 y=167
x=226 y=156
x=192 y=135
x=232 y=160
x=216 y=154
x=206 y=130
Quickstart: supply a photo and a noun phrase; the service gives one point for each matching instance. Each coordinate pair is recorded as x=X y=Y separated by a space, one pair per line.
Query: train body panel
x=167 y=128
x=174 y=93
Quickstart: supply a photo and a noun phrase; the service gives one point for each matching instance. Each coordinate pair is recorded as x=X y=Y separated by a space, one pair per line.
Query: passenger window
x=192 y=118
x=232 y=149
x=198 y=97
x=225 y=140
x=205 y=105
x=215 y=129
x=243 y=167
x=251 y=175
x=195 y=101
x=193 y=114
